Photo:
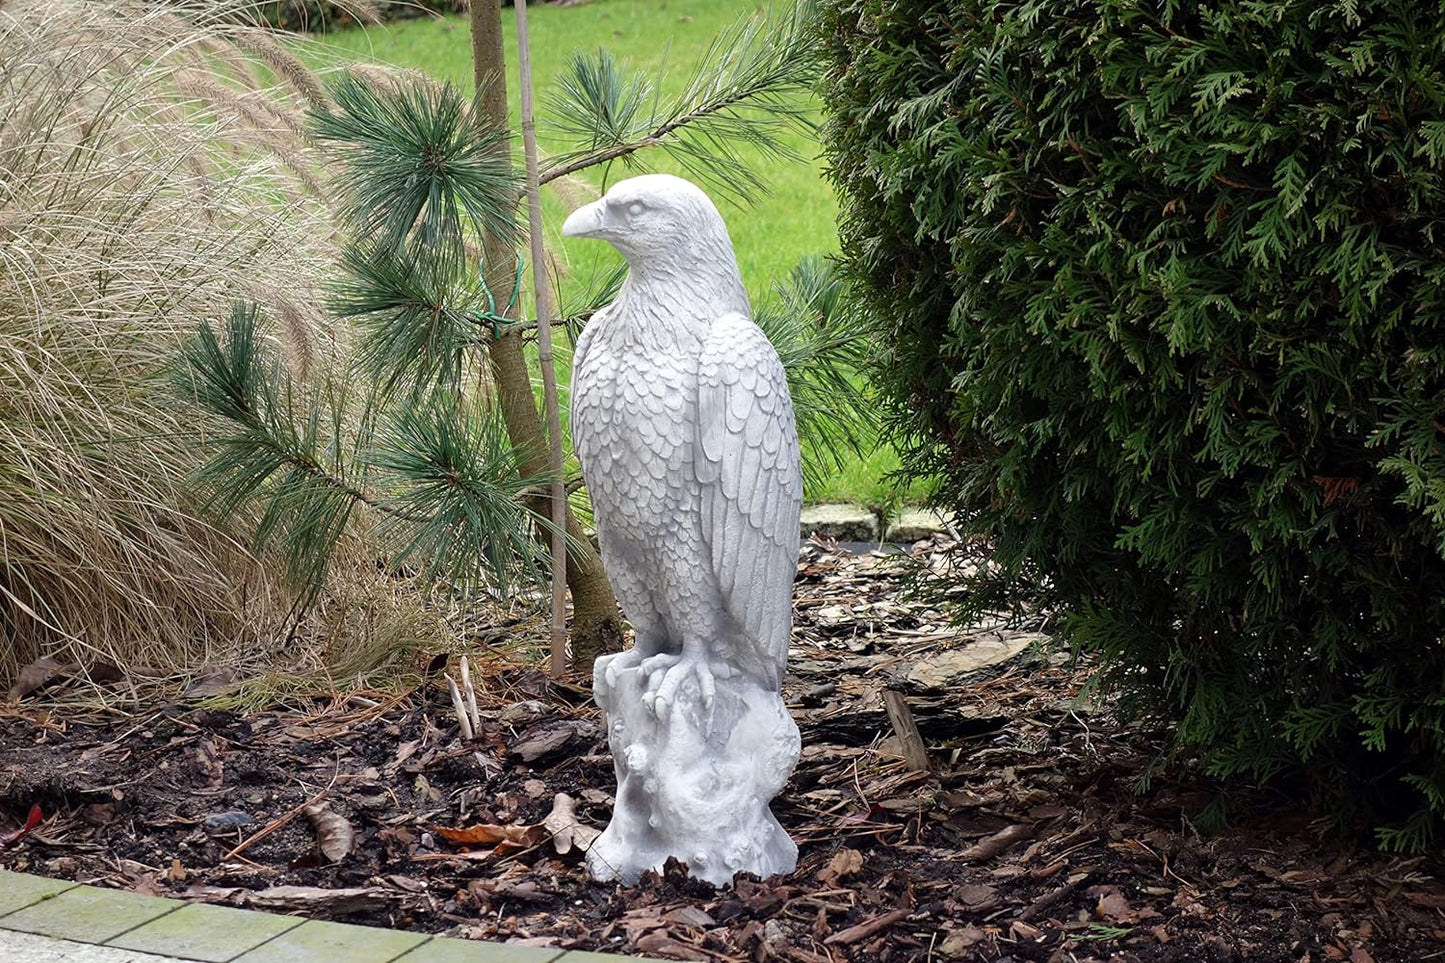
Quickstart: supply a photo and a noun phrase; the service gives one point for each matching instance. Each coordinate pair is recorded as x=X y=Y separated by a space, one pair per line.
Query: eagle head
x=655 y=218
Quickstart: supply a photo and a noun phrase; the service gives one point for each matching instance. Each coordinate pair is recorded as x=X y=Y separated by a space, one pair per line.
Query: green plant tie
x=490 y=316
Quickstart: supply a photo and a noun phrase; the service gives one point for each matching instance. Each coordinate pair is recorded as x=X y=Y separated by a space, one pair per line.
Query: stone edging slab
x=205 y=933
x=854 y=523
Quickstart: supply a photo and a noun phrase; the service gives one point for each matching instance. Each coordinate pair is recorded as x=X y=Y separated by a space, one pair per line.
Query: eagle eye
x=635 y=208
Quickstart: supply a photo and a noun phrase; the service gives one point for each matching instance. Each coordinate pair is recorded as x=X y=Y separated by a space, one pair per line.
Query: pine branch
x=284 y=452
x=823 y=347
x=438 y=471
x=748 y=89
x=657 y=137
x=456 y=494
x=420 y=166
x=419 y=315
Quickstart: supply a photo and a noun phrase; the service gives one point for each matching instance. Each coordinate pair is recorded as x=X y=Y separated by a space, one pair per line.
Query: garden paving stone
x=33 y=948
x=38 y=917
x=19 y=890
x=473 y=951
x=89 y=914
x=212 y=934
x=318 y=940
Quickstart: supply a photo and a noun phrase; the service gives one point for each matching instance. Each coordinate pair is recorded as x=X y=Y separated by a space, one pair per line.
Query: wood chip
x=867 y=928
x=993 y=845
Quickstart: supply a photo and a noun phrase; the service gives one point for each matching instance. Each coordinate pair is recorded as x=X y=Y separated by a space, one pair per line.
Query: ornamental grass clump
x=152 y=168
x=1164 y=295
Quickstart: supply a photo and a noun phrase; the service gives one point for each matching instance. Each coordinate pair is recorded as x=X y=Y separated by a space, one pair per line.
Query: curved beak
x=589 y=220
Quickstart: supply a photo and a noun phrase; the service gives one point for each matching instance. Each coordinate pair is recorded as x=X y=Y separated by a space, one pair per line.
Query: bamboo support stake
x=544 y=349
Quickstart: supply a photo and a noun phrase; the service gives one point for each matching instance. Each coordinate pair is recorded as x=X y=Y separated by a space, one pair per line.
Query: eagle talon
x=689 y=664
x=619 y=663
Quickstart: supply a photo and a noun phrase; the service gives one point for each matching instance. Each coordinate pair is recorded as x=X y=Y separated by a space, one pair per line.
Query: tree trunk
x=596 y=625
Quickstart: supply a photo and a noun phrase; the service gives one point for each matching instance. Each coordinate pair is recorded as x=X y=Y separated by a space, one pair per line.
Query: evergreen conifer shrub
x=1162 y=291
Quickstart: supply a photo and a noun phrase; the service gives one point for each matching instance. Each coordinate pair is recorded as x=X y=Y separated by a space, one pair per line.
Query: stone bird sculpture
x=682 y=422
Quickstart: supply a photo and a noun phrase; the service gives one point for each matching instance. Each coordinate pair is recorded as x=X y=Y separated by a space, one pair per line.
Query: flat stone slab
x=52 y=921
x=319 y=940
x=32 y=948
x=846 y=523
x=915 y=524
x=464 y=951
x=18 y=890
x=212 y=934
x=982 y=652
x=88 y=914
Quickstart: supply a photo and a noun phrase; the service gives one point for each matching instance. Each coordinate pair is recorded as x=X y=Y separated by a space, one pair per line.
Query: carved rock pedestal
x=695 y=787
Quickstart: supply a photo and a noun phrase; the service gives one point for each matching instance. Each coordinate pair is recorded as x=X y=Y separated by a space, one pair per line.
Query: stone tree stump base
x=696 y=783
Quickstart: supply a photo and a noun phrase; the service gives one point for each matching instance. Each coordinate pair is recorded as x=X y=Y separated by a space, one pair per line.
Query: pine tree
x=454 y=471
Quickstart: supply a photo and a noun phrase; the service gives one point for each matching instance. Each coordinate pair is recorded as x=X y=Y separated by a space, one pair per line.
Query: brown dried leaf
x=1020 y=930
x=976 y=894
x=1115 y=908
x=845 y=863
x=208 y=761
x=867 y=928
x=311 y=900
x=543 y=740
x=643 y=919
x=334 y=835
x=956 y=942
x=690 y=916
x=213 y=680
x=506 y=838
x=821 y=929
x=36 y=674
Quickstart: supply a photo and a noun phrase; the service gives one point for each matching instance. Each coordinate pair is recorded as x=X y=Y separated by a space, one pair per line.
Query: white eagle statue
x=682 y=422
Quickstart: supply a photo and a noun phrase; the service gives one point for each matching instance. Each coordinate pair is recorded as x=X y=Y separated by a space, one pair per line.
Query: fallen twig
x=867 y=928
x=278 y=822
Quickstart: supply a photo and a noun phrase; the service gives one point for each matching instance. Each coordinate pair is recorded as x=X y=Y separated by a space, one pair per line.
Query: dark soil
x=1028 y=840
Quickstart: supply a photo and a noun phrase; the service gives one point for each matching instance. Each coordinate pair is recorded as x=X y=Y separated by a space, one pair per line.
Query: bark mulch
x=1038 y=834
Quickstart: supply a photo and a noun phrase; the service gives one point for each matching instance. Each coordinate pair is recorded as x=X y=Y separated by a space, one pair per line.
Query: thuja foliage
x=1164 y=294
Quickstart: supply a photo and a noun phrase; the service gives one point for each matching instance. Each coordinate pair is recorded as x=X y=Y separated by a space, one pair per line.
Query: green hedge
x=1163 y=295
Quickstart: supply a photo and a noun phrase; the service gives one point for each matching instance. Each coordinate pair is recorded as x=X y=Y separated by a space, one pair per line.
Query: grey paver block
x=89 y=914
x=585 y=956
x=19 y=890
x=915 y=523
x=476 y=951
x=214 y=934
x=849 y=523
x=318 y=940
x=33 y=948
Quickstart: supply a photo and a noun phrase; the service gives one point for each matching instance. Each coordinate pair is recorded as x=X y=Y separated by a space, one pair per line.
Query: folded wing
x=747 y=463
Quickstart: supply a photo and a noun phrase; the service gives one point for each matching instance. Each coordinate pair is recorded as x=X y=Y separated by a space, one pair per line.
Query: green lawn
x=662 y=39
